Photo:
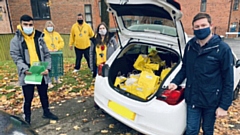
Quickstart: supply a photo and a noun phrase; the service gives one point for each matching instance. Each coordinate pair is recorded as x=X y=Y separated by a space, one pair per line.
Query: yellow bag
x=136 y=76
x=119 y=80
x=148 y=79
x=141 y=61
x=152 y=66
x=125 y=87
x=164 y=73
x=143 y=91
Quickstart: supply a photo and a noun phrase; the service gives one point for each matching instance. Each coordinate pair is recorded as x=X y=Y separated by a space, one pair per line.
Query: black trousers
x=79 y=53
x=28 y=93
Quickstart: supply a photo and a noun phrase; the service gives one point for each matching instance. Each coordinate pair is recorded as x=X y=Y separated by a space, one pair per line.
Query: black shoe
x=28 y=119
x=50 y=115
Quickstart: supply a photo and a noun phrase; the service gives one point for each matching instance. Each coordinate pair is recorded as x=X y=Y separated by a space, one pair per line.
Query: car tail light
x=172 y=97
x=103 y=70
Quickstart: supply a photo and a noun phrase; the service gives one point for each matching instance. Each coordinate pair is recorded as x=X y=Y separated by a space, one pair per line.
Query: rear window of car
x=149 y=24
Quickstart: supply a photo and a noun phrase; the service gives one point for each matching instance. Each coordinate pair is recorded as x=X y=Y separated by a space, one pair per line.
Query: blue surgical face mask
x=202 y=33
x=49 y=29
x=28 y=30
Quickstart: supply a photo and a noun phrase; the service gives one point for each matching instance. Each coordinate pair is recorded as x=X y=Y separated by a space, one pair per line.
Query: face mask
x=202 y=33
x=80 y=21
x=102 y=32
x=49 y=29
x=28 y=30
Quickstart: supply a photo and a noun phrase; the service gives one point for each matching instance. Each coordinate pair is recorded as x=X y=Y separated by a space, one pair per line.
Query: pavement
x=78 y=116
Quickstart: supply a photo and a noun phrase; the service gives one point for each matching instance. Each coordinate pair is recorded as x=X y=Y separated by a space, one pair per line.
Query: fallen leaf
x=58 y=128
x=53 y=121
x=85 y=120
x=76 y=127
x=81 y=101
x=111 y=126
x=104 y=131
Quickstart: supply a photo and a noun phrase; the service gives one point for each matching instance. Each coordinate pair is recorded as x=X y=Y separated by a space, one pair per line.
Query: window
x=40 y=9
x=99 y=6
x=233 y=27
x=235 y=4
x=203 y=5
x=88 y=14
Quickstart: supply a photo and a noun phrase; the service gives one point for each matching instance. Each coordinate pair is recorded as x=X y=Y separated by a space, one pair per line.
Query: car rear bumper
x=152 y=117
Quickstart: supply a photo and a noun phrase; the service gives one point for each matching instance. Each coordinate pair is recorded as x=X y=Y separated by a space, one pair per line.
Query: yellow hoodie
x=53 y=40
x=29 y=39
x=80 y=35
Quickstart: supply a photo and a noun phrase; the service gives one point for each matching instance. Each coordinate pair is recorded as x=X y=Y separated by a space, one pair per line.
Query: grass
x=73 y=81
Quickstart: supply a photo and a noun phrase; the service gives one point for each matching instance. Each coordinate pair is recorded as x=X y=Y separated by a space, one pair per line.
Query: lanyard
x=80 y=30
x=52 y=37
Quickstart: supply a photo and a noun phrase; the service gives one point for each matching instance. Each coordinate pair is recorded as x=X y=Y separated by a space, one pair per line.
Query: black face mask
x=80 y=21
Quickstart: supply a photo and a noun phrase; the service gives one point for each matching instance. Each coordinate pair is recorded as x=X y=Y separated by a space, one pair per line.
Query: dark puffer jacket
x=112 y=45
x=209 y=74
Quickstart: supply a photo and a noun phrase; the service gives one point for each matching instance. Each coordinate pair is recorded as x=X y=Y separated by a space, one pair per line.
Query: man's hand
x=71 y=47
x=220 y=112
x=45 y=72
x=172 y=86
x=27 y=73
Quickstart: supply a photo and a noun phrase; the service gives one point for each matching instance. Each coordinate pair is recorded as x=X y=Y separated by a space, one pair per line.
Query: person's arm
x=91 y=55
x=91 y=32
x=115 y=44
x=227 y=79
x=181 y=75
x=60 y=42
x=72 y=36
x=46 y=53
x=17 y=56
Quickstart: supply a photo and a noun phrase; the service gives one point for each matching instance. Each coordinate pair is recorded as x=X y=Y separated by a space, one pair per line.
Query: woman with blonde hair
x=54 y=43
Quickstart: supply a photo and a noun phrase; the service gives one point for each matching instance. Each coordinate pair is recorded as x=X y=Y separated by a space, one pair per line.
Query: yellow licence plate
x=121 y=110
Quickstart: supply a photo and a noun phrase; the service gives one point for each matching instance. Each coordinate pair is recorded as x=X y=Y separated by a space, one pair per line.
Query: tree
x=104 y=13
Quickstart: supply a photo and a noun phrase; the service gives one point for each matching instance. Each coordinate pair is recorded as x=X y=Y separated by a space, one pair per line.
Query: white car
x=159 y=112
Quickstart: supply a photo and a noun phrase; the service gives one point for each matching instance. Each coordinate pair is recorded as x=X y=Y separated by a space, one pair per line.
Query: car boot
x=49 y=115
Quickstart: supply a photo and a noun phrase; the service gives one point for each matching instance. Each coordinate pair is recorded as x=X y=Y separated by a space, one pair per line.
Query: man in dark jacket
x=208 y=68
x=27 y=47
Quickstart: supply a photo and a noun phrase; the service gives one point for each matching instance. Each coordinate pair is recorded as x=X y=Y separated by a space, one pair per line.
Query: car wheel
x=236 y=91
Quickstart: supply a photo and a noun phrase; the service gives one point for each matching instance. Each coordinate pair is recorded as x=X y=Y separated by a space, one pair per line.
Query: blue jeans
x=197 y=116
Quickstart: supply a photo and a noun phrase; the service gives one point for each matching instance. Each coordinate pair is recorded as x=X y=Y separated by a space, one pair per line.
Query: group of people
x=30 y=45
x=207 y=65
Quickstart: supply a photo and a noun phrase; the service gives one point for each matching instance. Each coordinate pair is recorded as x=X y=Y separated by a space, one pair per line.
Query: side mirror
x=237 y=63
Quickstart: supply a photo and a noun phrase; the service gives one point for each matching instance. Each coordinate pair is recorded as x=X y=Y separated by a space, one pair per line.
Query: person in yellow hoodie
x=26 y=47
x=54 y=43
x=80 y=35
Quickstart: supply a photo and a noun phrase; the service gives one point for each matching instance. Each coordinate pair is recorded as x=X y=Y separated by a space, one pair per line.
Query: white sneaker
x=75 y=70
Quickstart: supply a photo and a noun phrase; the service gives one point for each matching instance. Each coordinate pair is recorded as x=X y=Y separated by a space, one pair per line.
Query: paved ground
x=79 y=116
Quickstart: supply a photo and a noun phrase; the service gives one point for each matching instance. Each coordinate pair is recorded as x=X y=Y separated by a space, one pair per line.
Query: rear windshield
x=149 y=24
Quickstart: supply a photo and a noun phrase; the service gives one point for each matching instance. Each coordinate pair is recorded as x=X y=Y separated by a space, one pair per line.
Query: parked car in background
x=13 y=125
x=146 y=27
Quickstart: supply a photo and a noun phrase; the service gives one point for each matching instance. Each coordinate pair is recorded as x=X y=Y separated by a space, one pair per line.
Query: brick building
x=218 y=9
x=225 y=13
x=4 y=18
